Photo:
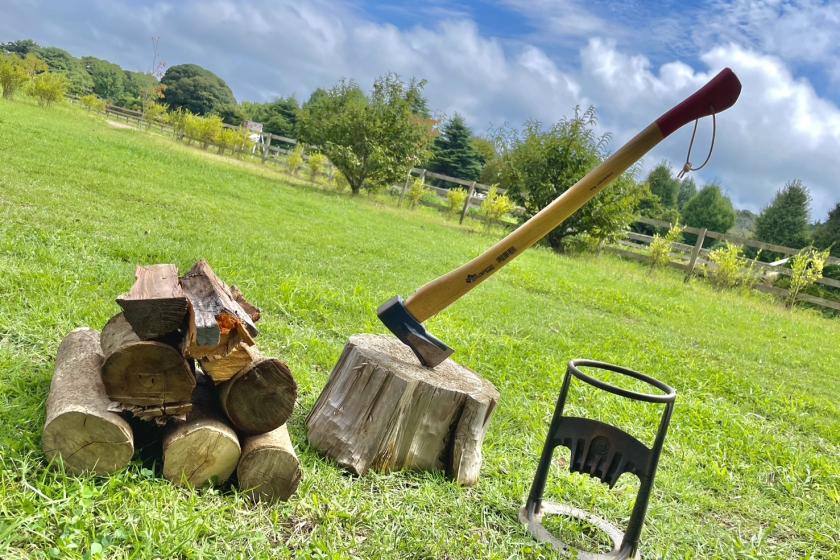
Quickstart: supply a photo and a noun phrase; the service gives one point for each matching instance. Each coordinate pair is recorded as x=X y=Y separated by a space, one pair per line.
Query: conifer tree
x=453 y=152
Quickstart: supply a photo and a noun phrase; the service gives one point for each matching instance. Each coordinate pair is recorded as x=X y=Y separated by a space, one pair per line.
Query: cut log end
x=156 y=305
x=382 y=410
x=201 y=454
x=269 y=469
x=260 y=398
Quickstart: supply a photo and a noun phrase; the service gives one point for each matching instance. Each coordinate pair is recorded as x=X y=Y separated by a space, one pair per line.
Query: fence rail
x=688 y=257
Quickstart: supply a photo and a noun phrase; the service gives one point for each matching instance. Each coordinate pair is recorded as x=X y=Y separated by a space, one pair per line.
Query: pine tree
x=710 y=209
x=687 y=189
x=453 y=152
x=664 y=185
x=828 y=233
x=785 y=220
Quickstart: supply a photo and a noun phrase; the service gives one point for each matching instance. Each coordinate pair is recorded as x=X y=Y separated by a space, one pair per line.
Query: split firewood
x=79 y=427
x=214 y=312
x=260 y=398
x=269 y=469
x=225 y=365
x=204 y=449
x=252 y=310
x=382 y=410
x=156 y=305
x=143 y=373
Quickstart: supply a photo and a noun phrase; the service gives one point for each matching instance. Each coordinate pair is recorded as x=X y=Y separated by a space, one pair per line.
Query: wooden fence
x=689 y=257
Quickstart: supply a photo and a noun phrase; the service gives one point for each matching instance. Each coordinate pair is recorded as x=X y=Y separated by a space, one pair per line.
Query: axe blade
x=428 y=349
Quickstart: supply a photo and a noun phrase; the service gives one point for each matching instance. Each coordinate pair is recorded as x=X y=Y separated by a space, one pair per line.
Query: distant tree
x=687 y=189
x=539 y=165
x=20 y=48
x=416 y=100
x=490 y=160
x=744 y=223
x=59 y=61
x=108 y=78
x=137 y=84
x=48 y=88
x=196 y=89
x=278 y=117
x=785 y=220
x=710 y=209
x=828 y=233
x=13 y=75
x=453 y=153
x=664 y=185
x=372 y=139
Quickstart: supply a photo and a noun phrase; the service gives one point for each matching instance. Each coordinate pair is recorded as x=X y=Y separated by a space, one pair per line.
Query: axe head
x=428 y=349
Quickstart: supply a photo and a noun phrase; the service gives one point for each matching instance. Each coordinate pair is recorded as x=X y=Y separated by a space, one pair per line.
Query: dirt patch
x=114 y=124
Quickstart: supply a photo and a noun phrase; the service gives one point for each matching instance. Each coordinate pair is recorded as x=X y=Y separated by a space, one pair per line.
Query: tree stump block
x=80 y=428
x=382 y=410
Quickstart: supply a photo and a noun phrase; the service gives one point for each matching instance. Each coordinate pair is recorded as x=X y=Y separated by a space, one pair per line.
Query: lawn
x=750 y=467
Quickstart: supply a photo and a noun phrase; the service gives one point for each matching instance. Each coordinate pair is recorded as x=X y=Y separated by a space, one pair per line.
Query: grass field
x=750 y=467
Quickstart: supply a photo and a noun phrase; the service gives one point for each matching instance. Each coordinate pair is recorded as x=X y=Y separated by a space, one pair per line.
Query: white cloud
x=779 y=130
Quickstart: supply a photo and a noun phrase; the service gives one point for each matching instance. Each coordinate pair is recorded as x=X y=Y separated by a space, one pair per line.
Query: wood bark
x=140 y=372
x=213 y=310
x=204 y=449
x=252 y=310
x=261 y=397
x=382 y=410
x=156 y=305
x=269 y=469
x=79 y=427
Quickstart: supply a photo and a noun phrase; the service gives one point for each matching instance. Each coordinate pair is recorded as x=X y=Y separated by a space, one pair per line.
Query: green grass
x=750 y=467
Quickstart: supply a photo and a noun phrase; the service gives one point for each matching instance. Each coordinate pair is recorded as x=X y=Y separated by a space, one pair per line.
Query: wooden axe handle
x=718 y=94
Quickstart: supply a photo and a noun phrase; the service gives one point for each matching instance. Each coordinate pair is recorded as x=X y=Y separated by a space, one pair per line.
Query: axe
x=405 y=317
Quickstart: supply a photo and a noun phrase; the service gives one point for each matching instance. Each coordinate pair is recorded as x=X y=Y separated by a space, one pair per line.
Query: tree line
x=374 y=137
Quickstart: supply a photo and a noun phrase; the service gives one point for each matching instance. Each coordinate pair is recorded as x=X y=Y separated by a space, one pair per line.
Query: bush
x=227 y=139
x=806 y=268
x=317 y=162
x=339 y=182
x=495 y=205
x=13 y=75
x=416 y=192
x=93 y=103
x=295 y=159
x=732 y=268
x=155 y=113
x=48 y=88
x=660 y=247
x=455 y=199
x=178 y=119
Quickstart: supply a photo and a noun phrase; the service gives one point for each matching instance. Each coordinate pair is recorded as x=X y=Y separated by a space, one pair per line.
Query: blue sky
x=506 y=61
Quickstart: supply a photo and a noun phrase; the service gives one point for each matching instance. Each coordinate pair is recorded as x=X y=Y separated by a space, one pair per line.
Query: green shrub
x=806 y=268
x=660 y=247
x=455 y=199
x=178 y=119
x=48 y=88
x=93 y=103
x=416 y=191
x=295 y=159
x=316 y=164
x=155 y=113
x=732 y=268
x=13 y=75
x=339 y=182
x=495 y=205
x=227 y=139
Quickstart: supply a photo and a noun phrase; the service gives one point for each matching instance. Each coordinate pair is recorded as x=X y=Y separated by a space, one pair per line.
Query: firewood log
x=79 y=427
x=260 y=398
x=382 y=410
x=140 y=372
x=156 y=305
x=269 y=469
x=224 y=366
x=204 y=449
x=252 y=310
x=213 y=310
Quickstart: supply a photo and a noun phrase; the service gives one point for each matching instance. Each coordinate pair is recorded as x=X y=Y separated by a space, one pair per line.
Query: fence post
x=467 y=202
x=405 y=186
x=694 y=253
x=266 y=145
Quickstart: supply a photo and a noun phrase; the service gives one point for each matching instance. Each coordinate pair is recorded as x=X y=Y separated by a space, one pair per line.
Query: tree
x=371 y=139
x=48 y=88
x=108 y=78
x=62 y=62
x=137 y=86
x=13 y=75
x=278 y=116
x=539 y=165
x=828 y=233
x=453 y=153
x=710 y=209
x=664 y=186
x=785 y=220
x=196 y=89
x=21 y=48
x=687 y=189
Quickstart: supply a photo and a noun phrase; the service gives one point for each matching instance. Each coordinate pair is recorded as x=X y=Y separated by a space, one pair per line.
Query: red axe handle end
x=720 y=93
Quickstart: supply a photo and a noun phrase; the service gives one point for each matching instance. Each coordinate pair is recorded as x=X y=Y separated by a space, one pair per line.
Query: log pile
x=179 y=357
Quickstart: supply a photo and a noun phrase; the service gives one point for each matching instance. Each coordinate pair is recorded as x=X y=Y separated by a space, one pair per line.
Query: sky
x=502 y=62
